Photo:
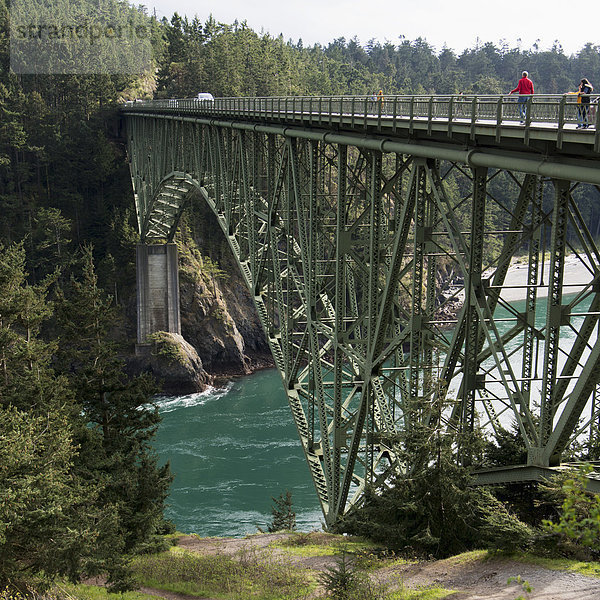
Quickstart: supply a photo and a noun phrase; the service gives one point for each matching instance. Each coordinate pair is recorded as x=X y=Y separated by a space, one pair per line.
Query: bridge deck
x=550 y=126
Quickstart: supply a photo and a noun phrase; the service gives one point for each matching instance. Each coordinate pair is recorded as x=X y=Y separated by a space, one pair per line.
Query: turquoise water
x=234 y=448
x=231 y=451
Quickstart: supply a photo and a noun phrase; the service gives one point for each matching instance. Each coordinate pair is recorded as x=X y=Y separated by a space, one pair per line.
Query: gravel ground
x=472 y=577
x=487 y=579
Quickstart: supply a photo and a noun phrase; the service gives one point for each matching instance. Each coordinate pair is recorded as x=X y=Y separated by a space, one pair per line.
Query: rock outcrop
x=173 y=362
x=218 y=316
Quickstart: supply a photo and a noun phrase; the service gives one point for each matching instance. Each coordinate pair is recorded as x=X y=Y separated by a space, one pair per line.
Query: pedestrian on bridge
x=583 y=103
x=374 y=101
x=525 y=89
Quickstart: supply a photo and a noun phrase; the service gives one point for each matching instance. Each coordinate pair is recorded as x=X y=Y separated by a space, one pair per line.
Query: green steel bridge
x=376 y=238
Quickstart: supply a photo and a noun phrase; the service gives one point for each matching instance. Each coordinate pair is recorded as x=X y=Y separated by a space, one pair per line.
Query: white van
x=206 y=96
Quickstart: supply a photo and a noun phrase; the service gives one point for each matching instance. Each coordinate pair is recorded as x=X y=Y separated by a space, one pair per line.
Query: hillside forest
x=81 y=489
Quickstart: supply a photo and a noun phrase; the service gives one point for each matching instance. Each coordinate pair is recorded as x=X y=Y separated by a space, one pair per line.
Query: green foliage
x=166 y=348
x=507 y=448
x=81 y=591
x=525 y=499
x=349 y=580
x=51 y=523
x=501 y=530
x=433 y=509
x=38 y=495
x=523 y=583
x=211 y=269
x=117 y=419
x=342 y=580
x=579 y=518
x=284 y=518
x=51 y=237
x=79 y=483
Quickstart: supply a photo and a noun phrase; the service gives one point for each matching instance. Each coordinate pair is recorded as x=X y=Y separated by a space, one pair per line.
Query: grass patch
x=307 y=551
x=94 y=592
x=323 y=544
x=248 y=576
x=467 y=557
x=429 y=593
x=591 y=569
x=367 y=555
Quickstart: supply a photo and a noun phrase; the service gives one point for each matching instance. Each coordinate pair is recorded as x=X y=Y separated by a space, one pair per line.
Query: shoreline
x=576 y=276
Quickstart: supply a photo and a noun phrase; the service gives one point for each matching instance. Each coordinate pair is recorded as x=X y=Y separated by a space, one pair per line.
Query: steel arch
x=341 y=246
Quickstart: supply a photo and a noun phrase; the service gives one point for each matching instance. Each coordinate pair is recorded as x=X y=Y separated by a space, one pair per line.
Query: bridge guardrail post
x=473 y=116
x=499 y=111
x=429 y=115
x=561 y=121
x=450 y=115
x=528 y=111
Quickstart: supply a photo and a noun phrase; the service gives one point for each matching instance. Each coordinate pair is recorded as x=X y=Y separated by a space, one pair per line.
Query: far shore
x=576 y=277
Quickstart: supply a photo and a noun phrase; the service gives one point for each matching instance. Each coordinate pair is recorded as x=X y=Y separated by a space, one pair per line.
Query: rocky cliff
x=221 y=334
x=218 y=316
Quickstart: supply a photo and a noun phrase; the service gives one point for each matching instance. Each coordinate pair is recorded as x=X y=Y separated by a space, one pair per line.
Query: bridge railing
x=562 y=111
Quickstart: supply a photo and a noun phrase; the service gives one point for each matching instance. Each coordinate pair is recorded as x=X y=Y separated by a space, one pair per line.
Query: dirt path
x=487 y=579
x=472 y=577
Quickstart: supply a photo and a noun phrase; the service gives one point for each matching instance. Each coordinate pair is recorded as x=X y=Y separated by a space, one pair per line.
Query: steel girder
x=357 y=260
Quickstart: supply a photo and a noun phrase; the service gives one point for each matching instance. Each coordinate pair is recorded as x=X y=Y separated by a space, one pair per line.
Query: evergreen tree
x=50 y=521
x=118 y=419
x=433 y=509
x=39 y=499
x=284 y=518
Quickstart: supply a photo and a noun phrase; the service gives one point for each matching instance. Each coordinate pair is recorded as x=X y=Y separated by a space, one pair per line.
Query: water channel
x=233 y=449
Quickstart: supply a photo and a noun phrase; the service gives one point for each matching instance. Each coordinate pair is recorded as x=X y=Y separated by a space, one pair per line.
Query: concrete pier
x=157 y=290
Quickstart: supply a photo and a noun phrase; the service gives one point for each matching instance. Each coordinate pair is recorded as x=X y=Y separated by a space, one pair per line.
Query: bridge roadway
x=375 y=239
x=549 y=128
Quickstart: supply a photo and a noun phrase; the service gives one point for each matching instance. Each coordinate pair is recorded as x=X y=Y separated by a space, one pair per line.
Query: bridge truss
x=379 y=278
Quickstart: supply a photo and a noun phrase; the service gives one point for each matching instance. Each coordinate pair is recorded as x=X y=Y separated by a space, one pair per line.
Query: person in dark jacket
x=583 y=103
x=525 y=89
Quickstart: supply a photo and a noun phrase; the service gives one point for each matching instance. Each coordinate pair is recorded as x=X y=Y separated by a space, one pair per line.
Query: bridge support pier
x=157 y=291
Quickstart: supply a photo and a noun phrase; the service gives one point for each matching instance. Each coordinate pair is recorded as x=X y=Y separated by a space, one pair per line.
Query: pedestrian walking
x=525 y=89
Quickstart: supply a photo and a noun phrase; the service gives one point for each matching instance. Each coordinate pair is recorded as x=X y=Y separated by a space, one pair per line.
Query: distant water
x=232 y=450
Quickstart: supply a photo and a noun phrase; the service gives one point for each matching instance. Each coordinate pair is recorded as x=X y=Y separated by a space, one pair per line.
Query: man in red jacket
x=525 y=88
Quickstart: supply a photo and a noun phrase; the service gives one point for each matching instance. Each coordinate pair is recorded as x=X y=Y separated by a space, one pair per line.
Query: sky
x=456 y=24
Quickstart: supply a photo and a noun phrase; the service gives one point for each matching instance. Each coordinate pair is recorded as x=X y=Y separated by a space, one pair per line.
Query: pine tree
x=50 y=522
x=284 y=518
x=118 y=417
x=432 y=508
